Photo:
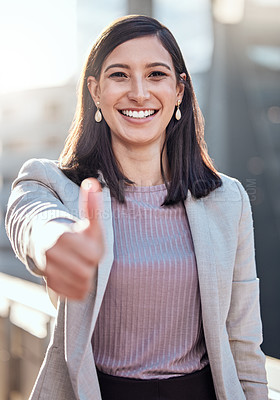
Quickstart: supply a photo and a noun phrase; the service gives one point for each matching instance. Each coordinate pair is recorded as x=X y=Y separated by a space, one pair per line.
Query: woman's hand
x=72 y=261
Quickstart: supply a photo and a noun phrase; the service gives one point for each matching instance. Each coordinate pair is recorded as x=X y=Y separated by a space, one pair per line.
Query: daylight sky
x=37 y=43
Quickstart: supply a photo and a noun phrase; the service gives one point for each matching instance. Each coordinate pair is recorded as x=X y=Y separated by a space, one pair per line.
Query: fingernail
x=87 y=184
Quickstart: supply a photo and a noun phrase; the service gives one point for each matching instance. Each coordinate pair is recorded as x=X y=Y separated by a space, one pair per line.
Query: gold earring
x=178 y=114
x=98 y=115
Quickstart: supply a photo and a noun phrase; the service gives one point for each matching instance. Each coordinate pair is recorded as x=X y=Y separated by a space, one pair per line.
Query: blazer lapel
x=204 y=247
x=81 y=315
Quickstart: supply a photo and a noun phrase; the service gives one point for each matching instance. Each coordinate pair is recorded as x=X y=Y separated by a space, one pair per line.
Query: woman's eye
x=157 y=74
x=118 y=75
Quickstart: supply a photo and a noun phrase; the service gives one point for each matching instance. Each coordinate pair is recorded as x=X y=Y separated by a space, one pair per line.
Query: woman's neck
x=141 y=164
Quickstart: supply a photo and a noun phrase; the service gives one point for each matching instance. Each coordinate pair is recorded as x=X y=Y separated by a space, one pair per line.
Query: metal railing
x=26 y=322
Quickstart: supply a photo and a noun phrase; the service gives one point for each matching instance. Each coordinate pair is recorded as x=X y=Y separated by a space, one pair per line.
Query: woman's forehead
x=144 y=50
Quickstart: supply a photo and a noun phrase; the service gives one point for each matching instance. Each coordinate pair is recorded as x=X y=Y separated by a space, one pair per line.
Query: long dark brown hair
x=88 y=150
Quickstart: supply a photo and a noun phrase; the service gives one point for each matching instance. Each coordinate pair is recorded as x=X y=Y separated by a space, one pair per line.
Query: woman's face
x=137 y=91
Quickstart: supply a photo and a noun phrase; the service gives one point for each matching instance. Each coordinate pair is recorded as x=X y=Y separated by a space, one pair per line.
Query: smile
x=138 y=114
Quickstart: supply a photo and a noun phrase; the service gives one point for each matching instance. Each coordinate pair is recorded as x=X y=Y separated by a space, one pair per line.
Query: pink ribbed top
x=149 y=324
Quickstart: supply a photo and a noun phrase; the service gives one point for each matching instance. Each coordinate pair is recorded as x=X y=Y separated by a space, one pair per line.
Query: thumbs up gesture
x=71 y=263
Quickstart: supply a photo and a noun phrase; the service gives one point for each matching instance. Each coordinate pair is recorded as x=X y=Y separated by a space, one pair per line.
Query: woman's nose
x=139 y=91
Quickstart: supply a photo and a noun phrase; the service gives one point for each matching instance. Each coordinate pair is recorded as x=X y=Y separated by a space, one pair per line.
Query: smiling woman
x=137 y=91
x=132 y=71
x=156 y=276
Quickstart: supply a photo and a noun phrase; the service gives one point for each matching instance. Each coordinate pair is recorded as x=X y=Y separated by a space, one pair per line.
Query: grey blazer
x=222 y=231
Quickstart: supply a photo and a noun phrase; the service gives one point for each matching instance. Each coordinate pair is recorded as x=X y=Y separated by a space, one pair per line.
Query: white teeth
x=136 y=114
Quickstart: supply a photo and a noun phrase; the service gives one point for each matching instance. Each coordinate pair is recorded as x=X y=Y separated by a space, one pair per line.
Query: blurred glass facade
x=243 y=134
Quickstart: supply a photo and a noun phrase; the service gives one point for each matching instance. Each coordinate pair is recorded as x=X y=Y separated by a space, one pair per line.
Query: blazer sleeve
x=36 y=215
x=244 y=321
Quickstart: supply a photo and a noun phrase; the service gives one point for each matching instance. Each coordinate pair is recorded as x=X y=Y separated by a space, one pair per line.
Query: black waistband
x=197 y=385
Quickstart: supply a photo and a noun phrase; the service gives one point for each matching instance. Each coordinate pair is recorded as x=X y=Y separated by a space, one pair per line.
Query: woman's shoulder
x=39 y=166
x=47 y=174
x=230 y=190
x=229 y=201
x=41 y=170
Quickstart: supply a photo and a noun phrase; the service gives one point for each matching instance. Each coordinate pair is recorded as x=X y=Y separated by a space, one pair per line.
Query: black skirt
x=195 y=386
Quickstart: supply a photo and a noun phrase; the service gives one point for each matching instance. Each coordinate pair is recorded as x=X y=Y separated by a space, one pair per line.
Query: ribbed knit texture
x=149 y=324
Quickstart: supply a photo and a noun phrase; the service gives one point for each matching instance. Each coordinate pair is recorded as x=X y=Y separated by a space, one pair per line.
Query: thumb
x=91 y=206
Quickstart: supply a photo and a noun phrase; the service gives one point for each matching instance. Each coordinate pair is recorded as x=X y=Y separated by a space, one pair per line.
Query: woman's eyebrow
x=158 y=64
x=150 y=65
x=117 y=66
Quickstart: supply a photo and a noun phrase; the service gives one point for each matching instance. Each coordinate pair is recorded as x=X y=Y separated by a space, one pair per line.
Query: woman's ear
x=94 y=89
x=181 y=87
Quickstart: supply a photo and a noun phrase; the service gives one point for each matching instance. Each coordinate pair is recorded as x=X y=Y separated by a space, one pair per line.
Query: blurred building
x=33 y=124
x=243 y=130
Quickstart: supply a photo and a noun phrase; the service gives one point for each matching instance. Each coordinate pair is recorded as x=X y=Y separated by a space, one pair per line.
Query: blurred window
x=266 y=3
x=7 y=113
x=16 y=146
x=191 y=24
x=52 y=111
x=229 y=11
x=52 y=141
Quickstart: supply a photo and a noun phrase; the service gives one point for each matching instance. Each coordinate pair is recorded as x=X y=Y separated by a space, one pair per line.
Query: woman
x=157 y=282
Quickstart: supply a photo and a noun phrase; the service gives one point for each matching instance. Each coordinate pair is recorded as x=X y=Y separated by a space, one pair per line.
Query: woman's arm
x=48 y=238
x=244 y=321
